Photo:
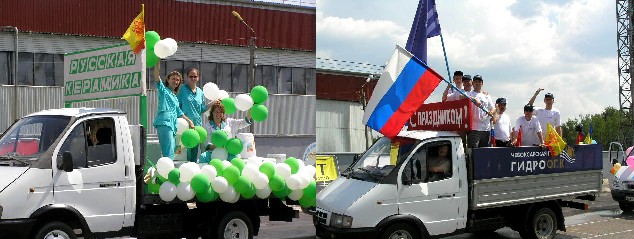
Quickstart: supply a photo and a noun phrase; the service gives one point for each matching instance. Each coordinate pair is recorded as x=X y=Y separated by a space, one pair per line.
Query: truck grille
x=321 y=216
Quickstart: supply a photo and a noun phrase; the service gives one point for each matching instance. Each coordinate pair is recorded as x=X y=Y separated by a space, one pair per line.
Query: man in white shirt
x=531 y=129
x=502 y=126
x=451 y=94
x=548 y=114
x=481 y=133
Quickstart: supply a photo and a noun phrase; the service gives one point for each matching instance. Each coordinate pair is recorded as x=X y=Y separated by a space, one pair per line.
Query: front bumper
x=619 y=195
x=18 y=228
x=326 y=232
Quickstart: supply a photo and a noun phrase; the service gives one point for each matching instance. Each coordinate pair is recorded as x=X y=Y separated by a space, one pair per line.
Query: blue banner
x=520 y=161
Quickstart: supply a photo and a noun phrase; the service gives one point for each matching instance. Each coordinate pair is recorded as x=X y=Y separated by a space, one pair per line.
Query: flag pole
x=442 y=41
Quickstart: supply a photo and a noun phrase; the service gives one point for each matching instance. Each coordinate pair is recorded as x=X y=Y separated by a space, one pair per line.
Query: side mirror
x=67 y=162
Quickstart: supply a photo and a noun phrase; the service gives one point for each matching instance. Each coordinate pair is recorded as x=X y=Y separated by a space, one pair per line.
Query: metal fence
x=289 y=115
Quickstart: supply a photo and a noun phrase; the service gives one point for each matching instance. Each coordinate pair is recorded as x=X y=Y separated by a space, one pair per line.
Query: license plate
x=629 y=198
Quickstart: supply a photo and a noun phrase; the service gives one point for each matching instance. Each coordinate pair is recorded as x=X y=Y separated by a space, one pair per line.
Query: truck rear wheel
x=542 y=225
x=626 y=207
x=55 y=230
x=235 y=224
x=400 y=231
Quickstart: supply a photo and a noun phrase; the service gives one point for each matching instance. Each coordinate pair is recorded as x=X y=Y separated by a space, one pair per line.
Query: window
x=91 y=143
x=431 y=162
x=5 y=68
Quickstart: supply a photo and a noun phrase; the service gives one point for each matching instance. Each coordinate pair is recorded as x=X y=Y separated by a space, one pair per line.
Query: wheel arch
x=62 y=213
x=409 y=219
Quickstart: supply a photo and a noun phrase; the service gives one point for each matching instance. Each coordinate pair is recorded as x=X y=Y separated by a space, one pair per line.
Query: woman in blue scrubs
x=168 y=110
x=192 y=103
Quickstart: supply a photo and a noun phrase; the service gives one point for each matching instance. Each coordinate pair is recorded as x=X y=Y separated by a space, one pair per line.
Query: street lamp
x=251 y=56
x=15 y=71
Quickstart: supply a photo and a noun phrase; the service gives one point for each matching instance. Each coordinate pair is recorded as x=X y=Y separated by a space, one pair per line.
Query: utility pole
x=251 y=57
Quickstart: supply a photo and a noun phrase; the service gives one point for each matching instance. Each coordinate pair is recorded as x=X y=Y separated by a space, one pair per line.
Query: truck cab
x=395 y=176
x=57 y=165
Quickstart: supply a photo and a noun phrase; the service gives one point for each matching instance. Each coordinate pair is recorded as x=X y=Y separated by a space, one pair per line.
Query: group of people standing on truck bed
x=187 y=101
x=531 y=126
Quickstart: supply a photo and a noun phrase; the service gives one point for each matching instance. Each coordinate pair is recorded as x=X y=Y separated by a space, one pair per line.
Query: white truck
x=391 y=191
x=78 y=172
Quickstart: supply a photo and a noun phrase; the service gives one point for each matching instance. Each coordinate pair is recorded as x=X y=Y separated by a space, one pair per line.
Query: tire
x=400 y=231
x=542 y=225
x=234 y=225
x=626 y=207
x=55 y=230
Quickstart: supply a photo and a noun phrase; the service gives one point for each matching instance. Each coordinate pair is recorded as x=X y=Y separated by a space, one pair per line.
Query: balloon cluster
x=157 y=48
x=231 y=180
x=243 y=102
x=226 y=148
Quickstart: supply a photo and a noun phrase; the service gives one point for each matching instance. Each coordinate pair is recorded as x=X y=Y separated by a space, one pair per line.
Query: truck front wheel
x=235 y=224
x=542 y=225
x=400 y=231
x=55 y=230
x=626 y=207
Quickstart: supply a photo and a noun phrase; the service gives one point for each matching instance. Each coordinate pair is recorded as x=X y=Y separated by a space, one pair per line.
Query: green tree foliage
x=605 y=125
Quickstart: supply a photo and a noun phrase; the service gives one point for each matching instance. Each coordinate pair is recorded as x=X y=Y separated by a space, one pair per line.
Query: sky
x=567 y=47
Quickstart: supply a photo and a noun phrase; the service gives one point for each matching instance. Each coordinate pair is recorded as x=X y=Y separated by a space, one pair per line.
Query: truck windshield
x=29 y=137
x=380 y=159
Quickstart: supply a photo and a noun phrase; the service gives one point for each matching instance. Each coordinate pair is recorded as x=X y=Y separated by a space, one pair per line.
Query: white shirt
x=503 y=128
x=530 y=129
x=230 y=125
x=481 y=120
x=455 y=95
x=548 y=116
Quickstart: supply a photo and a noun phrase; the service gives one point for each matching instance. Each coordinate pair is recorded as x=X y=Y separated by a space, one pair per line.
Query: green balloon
x=202 y=133
x=234 y=146
x=200 y=183
x=190 y=138
x=174 y=176
x=259 y=94
x=307 y=201
x=207 y=196
x=311 y=190
x=276 y=183
x=217 y=163
x=268 y=169
x=249 y=193
x=243 y=185
x=230 y=105
x=151 y=38
x=293 y=163
x=219 y=138
x=239 y=163
x=282 y=193
x=259 y=112
x=231 y=173
x=153 y=186
x=150 y=58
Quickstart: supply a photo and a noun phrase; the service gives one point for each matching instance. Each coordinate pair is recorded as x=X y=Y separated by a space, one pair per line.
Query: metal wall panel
x=289 y=115
x=339 y=127
x=202 y=21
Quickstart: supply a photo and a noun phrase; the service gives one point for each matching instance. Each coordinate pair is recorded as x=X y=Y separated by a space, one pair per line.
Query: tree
x=606 y=128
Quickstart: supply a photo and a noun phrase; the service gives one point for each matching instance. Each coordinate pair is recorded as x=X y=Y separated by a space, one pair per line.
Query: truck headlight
x=343 y=221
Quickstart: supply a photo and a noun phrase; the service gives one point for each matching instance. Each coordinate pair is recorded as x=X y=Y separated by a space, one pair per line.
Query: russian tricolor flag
x=402 y=89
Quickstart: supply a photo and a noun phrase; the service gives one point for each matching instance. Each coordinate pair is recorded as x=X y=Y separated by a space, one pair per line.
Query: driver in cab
x=439 y=166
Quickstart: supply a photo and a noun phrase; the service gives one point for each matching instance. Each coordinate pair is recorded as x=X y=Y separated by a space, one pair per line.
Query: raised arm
x=157 y=71
x=532 y=100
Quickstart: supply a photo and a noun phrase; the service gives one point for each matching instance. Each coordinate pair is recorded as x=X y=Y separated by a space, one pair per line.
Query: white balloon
x=162 y=49
x=172 y=44
x=167 y=191
x=184 y=191
x=223 y=94
x=304 y=181
x=228 y=195
x=261 y=182
x=263 y=193
x=283 y=170
x=301 y=164
x=255 y=161
x=243 y=102
x=293 y=182
x=211 y=91
x=235 y=198
x=219 y=184
x=181 y=126
x=296 y=194
x=219 y=153
x=226 y=163
x=210 y=171
x=188 y=171
x=309 y=171
x=251 y=172
x=164 y=165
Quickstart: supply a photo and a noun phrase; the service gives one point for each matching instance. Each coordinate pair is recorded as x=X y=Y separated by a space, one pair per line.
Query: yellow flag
x=135 y=35
x=326 y=168
x=554 y=141
x=588 y=139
